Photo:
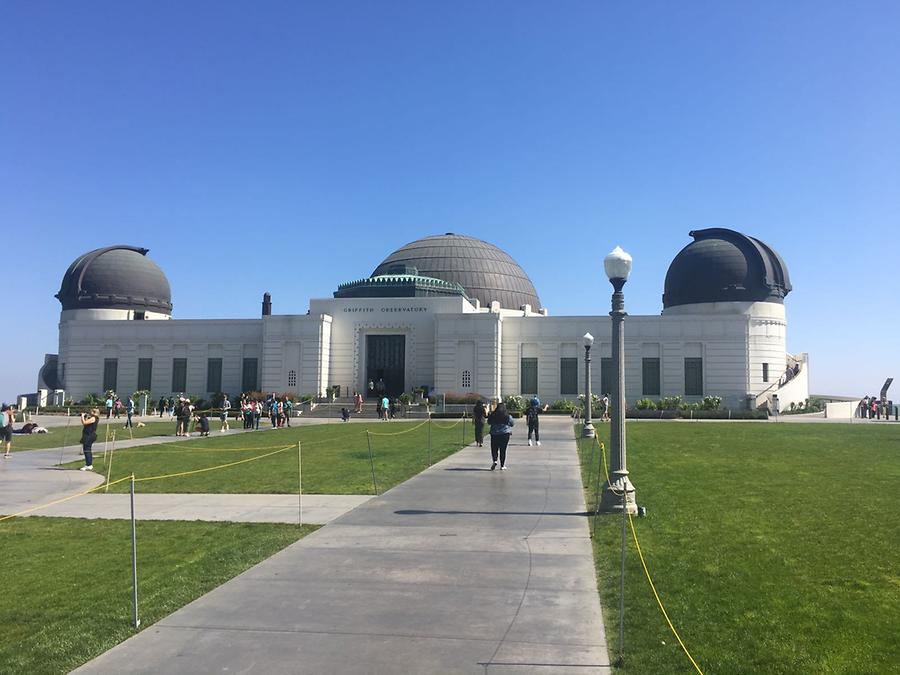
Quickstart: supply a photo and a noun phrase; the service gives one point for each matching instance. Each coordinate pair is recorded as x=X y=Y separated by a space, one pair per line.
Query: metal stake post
x=65 y=436
x=622 y=586
x=371 y=461
x=429 y=439
x=300 y=483
x=134 y=583
x=109 y=465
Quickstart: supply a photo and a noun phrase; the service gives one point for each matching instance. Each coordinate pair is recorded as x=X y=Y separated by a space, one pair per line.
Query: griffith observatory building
x=450 y=313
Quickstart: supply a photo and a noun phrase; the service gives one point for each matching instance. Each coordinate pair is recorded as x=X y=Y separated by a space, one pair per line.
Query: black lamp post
x=618 y=266
x=588 y=430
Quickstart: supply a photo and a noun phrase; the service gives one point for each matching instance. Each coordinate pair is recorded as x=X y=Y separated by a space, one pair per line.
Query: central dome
x=482 y=269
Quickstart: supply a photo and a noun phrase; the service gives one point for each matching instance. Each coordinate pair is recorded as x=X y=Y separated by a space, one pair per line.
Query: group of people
x=278 y=410
x=501 y=424
x=874 y=408
x=115 y=406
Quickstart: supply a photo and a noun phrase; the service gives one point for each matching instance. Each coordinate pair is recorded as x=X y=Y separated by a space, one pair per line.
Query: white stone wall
x=84 y=344
x=298 y=344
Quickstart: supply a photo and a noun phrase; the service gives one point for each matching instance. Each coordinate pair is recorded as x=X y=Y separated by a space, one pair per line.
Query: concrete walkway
x=458 y=570
x=31 y=479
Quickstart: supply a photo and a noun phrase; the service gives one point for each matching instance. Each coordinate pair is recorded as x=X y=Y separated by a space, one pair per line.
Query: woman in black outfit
x=501 y=429
x=478 y=415
x=89 y=422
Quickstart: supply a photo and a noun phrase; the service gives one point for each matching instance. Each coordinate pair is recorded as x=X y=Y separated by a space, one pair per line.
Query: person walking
x=89 y=423
x=129 y=412
x=161 y=406
x=534 y=423
x=273 y=412
x=109 y=406
x=226 y=406
x=501 y=429
x=6 y=428
x=605 y=416
x=478 y=415
x=288 y=408
x=385 y=407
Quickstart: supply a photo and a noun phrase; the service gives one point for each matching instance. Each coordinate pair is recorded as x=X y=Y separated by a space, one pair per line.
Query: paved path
x=458 y=570
x=31 y=479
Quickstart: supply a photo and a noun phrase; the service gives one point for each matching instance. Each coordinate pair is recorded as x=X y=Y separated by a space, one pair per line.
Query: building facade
x=448 y=313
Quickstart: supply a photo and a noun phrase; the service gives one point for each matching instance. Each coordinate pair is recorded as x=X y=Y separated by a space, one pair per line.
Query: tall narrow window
x=693 y=376
x=466 y=379
x=606 y=375
x=145 y=374
x=568 y=375
x=179 y=375
x=110 y=374
x=529 y=376
x=249 y=374
x=292 y=378
x=765 y=372
x=213 y=375
x=650 y=378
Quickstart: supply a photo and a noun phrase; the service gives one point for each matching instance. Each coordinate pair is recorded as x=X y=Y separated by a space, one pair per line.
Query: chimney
x=267 y=304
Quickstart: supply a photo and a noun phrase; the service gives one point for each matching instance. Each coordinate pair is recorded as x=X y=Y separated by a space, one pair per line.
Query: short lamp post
x=618 y=266
x=588 y=430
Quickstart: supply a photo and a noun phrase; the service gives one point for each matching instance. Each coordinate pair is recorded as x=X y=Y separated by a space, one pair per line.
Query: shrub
x=596 y=402
x=645 y=404
x=711 y=402
x=671 y=403
x=564 y=405
x=405 y=398
x=92 y=400
x=469 y=398
x=514 y=403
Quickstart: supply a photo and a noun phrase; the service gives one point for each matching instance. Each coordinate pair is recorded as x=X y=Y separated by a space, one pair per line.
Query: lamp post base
x=588 y=431
x=611 y=497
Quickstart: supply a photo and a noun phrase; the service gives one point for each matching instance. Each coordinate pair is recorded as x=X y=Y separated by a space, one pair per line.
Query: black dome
x=725 y=266
x=482 y=269
x=116 y=277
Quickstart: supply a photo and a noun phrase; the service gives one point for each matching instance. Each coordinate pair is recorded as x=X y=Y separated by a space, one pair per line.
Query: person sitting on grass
x=345 y=414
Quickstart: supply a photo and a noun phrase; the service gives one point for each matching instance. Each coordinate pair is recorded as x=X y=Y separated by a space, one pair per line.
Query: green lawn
x=773 y=546
x=68 y=592
x=71 y=436
x=335 y=459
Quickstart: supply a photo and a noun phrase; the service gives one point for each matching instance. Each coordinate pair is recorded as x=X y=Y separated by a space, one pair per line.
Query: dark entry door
x=386 y=364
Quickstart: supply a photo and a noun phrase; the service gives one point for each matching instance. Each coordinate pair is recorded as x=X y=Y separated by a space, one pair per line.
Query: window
x=249 y=374
x=292 y=378
x=568 y=375
x=650 y=376
x=145 y=374
x=179 y=375
x=765 y=372
x=110 y=374
x=693 y=376
x=529 y=376
x=466 y=379
x=139 y=316
x=213 y=376
x=606 y=375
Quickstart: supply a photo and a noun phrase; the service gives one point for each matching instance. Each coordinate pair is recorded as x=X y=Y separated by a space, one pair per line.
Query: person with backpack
x=129 y=412
x=501 y=429
x=6 y=420
x=478 y=416
x=534 y=424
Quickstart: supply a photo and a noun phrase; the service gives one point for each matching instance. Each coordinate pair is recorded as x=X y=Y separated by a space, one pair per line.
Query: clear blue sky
x=290 y=146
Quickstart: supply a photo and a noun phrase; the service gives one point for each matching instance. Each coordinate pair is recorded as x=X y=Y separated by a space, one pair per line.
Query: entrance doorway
x=385 y=365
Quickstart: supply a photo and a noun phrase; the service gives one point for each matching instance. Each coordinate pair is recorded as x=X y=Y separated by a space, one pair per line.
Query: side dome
x=482 y=269
x=725 y=266
x=115 y=277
